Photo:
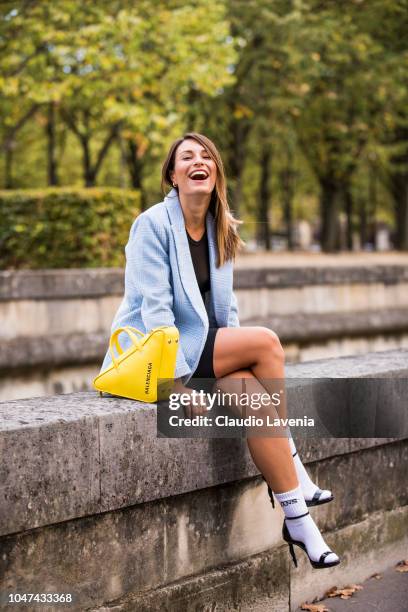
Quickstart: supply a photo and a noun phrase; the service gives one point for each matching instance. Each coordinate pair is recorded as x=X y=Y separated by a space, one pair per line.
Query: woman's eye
x=187 y=158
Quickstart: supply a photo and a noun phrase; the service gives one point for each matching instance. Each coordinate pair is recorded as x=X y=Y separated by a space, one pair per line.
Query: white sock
x=303 y=529
x=308 y=487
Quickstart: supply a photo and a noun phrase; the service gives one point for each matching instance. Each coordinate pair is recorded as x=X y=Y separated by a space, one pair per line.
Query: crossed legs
x=255 y=353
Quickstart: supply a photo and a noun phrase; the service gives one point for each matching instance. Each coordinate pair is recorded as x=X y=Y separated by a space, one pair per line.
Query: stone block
x=108 y=447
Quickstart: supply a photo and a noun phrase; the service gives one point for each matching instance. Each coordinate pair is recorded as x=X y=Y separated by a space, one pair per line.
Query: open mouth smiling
x=199 y=175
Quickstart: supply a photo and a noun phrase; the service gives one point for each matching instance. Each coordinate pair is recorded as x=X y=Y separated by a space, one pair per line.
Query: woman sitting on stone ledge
x=179 y=271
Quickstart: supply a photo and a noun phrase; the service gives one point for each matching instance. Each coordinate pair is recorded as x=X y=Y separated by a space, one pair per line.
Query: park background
x=307 y=102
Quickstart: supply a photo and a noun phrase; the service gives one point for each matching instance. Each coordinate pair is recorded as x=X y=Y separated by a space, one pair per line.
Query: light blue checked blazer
x=161 y=286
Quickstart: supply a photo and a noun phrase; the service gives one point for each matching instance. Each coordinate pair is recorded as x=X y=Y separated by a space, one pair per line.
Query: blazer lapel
x=187 y=273
x=221 y=278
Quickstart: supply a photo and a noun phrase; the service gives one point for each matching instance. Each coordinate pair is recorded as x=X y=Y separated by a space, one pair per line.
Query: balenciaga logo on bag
x=148 y=375
x=289 y=501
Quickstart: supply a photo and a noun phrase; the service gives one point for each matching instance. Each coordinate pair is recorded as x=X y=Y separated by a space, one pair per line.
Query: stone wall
x=94 y=504
x=55 y=324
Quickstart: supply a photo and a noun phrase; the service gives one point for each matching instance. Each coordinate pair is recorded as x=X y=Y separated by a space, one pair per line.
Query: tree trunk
x=135 y=166
x=9 y=144
x=329 y=214
x=372 y=195
x=88 y=171
x=8 y=166
x=399 y=190
x=263 y=230
x=190 y=118
x=51 y=146
x=363 y=224
x=348 y=205
x=400 y=195
x=287 y=177
x=236 y=161
x=288 y=215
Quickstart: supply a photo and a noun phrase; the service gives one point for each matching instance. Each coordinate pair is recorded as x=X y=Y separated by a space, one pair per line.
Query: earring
x=174 y=185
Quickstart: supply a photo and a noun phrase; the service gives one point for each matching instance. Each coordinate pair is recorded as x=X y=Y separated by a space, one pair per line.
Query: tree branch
x=105 y=147
x=13 y=130
x=71 y=123
x=25 y=61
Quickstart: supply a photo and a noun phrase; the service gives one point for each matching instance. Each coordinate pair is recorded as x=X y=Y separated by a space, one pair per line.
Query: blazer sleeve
x=148 y=271
x=233 y=320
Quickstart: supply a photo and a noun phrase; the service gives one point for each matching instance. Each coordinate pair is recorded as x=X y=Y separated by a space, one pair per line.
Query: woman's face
x=194 y=170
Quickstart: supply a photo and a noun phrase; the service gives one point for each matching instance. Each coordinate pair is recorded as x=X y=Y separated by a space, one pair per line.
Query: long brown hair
x=228 y=240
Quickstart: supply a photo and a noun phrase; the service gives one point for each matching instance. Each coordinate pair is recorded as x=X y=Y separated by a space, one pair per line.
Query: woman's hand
x=198 y=408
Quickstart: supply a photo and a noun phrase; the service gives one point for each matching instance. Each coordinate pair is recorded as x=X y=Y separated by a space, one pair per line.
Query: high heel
x=292 y=552
x=271 y=495
x=320 y=564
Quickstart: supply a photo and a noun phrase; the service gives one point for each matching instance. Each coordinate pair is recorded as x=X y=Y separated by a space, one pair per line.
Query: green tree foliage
x=112 y=67
x=307 y=101
x=338 y=94
x=390 y=29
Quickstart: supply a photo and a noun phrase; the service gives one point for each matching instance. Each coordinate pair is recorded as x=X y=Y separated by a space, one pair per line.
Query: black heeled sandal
x=270 y=494
x=320 y=564
x=315 y=501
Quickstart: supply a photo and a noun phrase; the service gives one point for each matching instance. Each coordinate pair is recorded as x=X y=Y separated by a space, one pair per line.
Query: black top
x=201 y=262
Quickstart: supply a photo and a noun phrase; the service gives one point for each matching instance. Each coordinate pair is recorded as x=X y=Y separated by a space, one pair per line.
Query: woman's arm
x=148 y=271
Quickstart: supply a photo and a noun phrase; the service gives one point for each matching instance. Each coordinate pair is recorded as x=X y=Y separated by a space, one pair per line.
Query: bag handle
x=114 y=340
x=132 y=329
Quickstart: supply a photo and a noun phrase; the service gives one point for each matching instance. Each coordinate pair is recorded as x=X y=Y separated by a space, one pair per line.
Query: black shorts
x=205 y=368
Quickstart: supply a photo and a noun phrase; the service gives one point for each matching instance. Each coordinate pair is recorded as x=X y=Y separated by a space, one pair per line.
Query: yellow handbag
x=134 y=374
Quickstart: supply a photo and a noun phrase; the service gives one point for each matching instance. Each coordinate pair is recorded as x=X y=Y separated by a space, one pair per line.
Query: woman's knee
x=269 y=343
x=241 y=373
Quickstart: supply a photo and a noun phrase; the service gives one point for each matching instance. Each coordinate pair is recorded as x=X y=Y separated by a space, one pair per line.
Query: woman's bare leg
x=256 y=348
x=256 y=353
